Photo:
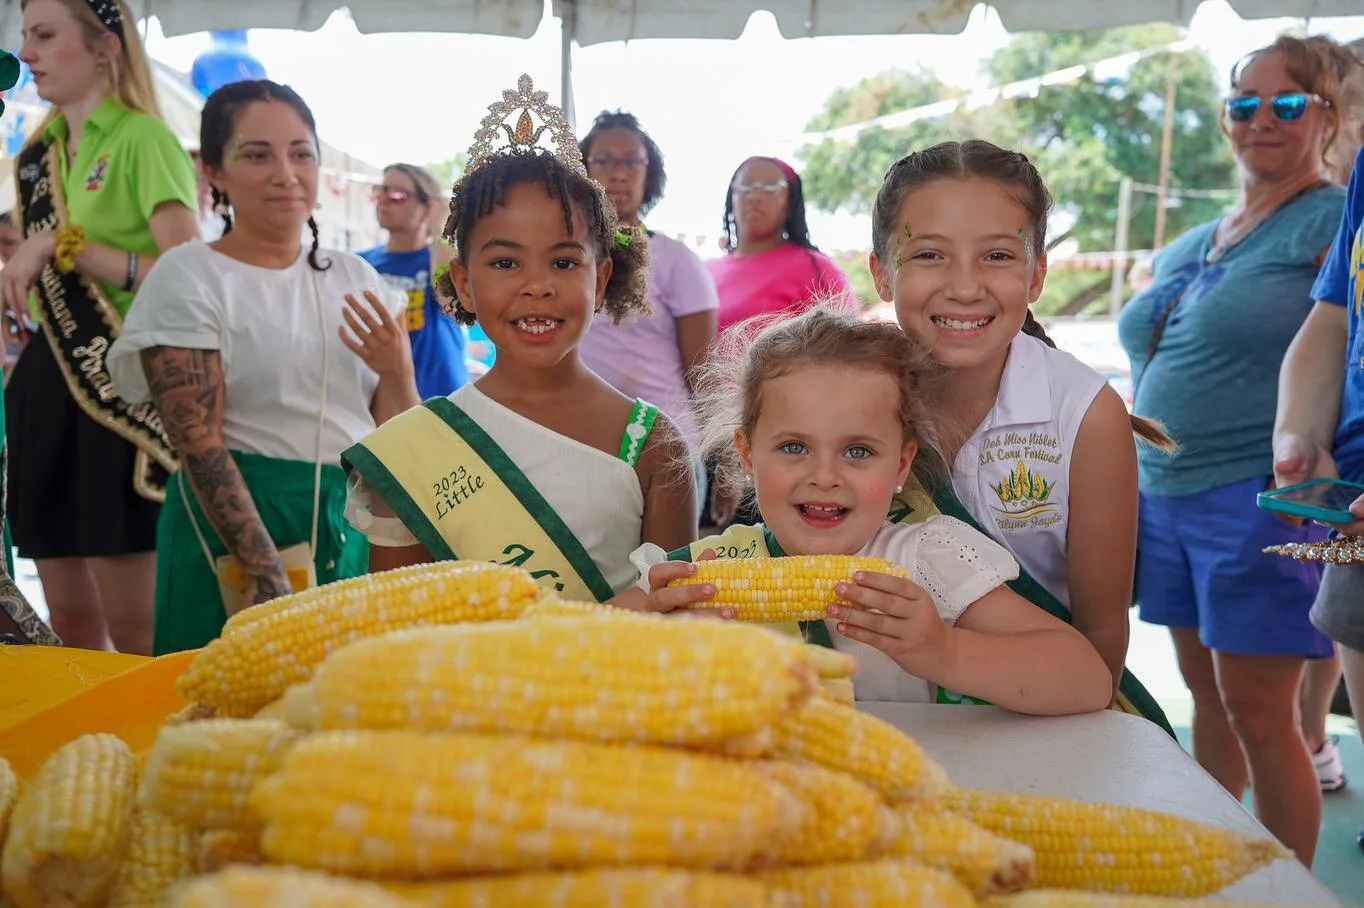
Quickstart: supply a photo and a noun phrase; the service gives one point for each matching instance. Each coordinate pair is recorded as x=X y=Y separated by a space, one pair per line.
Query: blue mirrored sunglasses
x=1286 y=107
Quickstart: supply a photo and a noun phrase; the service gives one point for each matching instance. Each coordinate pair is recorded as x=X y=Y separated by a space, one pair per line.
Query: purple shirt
x=640 y=356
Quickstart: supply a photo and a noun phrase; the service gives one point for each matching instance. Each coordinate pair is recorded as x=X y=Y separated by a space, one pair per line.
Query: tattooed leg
x=187 y=388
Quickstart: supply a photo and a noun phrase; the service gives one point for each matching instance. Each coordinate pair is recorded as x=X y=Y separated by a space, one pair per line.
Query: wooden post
x=1166 y=140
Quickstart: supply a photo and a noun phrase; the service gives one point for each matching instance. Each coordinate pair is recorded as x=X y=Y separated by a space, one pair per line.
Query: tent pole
x=568 y=29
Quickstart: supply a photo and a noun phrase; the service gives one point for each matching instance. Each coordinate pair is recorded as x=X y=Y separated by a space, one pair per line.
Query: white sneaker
x=1330 y=773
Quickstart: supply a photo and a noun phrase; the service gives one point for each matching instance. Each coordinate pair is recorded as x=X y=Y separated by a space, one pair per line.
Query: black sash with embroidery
x=81 y=323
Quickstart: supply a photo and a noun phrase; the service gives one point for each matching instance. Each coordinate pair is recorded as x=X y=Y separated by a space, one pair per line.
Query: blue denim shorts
x=1201 y=566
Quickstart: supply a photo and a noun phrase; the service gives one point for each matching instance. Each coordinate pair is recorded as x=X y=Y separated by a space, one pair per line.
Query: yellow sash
x=463 y=497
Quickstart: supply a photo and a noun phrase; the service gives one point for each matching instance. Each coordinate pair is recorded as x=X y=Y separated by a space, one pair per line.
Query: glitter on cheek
x=899 y=260
x=909 y=234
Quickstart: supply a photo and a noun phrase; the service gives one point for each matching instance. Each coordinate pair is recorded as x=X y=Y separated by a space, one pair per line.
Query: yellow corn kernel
x=218 y=848
x=839 y=690
x=839 y=737
x=554 y=607
x=980 y=860
x=418 y=806
x=829 y=663
x=69 y=830
x=272 y=710
x=9 y=793
x=201 y=773
x=628 y=887
x=710 y=684
x=1111 y=848
x=842 y=822
x=255 y=662
x=194 y=712
x=1069 y=898
x=266 y=887
x=886 y=883
x=790 y=588
x=160 y=852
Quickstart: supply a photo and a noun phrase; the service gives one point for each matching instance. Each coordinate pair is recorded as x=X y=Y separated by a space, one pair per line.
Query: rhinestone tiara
x=1342 y=550
x=532 y=106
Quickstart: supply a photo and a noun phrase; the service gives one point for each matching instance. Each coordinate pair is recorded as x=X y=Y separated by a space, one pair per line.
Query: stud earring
x=899 y=489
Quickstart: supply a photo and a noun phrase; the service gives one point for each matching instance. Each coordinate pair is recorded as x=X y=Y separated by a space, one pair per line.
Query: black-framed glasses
x=1286 y=107
x=607 y=162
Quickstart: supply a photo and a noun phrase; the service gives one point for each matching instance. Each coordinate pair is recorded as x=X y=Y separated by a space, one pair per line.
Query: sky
x=708 y=104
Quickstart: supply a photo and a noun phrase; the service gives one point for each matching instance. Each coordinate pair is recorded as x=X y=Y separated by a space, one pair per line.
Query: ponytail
x=1148 y=431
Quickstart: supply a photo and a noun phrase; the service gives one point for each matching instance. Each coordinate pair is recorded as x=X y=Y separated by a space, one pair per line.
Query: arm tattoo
x=187 y=389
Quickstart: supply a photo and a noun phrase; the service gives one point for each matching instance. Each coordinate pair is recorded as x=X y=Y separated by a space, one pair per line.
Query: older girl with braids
x=264 y=366
x=1040 y=449
x=540 y=462
x=104 y=188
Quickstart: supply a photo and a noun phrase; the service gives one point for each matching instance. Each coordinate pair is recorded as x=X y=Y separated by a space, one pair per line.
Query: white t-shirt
x=951 y=562
x=1013 y=474
x=266 y=326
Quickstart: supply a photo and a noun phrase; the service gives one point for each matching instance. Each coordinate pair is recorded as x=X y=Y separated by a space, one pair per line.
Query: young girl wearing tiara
x=539 y=463
x=1047 y=463
x=824 y=413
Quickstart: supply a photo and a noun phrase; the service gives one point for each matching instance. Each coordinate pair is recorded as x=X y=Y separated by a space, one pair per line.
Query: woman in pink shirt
x=772 y=267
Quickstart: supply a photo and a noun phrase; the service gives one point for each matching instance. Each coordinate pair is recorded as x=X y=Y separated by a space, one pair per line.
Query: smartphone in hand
x=1322 y=500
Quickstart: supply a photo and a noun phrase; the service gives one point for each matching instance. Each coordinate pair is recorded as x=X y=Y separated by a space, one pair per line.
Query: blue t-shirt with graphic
x=1213 y=380
x=1339 y=283
x=438 y=341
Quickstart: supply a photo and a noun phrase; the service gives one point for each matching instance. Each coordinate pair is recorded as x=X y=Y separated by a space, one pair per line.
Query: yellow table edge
x=128 y=696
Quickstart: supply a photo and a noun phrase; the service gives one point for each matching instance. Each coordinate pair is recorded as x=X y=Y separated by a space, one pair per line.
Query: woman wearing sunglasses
x=411 y=206
x=1206 y=340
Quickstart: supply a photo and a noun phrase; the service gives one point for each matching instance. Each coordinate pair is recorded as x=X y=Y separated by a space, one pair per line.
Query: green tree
x=449 y=170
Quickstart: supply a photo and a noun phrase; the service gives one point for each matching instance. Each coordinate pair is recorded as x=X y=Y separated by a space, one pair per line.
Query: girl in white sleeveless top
x=1043 y=453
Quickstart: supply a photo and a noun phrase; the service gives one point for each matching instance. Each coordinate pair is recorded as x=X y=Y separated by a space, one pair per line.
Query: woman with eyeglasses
x=411 y=207
x=652 y=357
x=1206 y=340
x=770 y=267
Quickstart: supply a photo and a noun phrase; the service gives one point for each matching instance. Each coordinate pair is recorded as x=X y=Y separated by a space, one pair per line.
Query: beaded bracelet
x=70 y=241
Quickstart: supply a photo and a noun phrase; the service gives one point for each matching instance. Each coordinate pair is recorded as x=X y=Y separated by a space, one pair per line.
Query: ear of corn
x=887 y=883
x=160 y=852
x=980 y=860
x=841 y=738
x=256 y=661
x=419 y=806
x=1069 y=898
x=268 y=887
x=201 y=773
x=219 y=848
x=628 y=887
x=839 y=690
x=843 y=821
x=554 y=607
x=696 y=683
x=830 y=663
x=9 y=793
x=790 y=588
x=1107 y=847
x=69 y=830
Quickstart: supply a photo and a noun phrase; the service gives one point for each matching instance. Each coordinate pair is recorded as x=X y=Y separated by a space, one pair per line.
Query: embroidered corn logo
x=98 y=173
x=1024 y=493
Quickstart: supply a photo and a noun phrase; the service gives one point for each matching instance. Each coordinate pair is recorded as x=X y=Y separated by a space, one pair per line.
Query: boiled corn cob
x=70 y=828
x=844 y=819
x=9 y=793
x=219 y=848
x=839 y=690
x=776 y=590
x=281 y=887
x=554 y=607
x=830 y=663
x=414 y=805
x=1068 y=898
x=839 y=737
x=886 y=883
x=1112 y=848
x=160 y=852
x=627 y=887
x=201 y=773
x=709 y=684
x=258 y=660
x=980 y=860
x=193 y=712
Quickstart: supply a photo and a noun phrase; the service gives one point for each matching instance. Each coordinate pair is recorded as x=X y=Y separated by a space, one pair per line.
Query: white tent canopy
x=596 y=21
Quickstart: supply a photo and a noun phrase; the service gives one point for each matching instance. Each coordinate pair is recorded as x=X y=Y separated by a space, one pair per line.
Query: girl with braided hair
x=539 y=463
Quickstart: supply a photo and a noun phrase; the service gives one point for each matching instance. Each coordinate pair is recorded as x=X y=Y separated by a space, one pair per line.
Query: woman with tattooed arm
x=265 y=360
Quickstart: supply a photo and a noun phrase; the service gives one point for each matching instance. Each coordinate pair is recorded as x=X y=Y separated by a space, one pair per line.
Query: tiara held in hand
x=524 y=135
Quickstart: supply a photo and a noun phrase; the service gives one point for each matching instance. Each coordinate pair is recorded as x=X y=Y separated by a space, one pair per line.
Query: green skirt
x=189 y=607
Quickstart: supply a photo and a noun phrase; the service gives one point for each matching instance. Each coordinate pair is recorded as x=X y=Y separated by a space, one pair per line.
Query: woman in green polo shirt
x=103 y=188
